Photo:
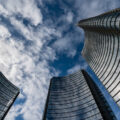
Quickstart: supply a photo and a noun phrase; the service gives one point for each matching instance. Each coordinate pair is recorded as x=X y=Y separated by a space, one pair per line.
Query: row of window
x=90 y=116
x=72 y=100
x=8 y=92
x=111 y=21
x=102 y=52
x=9 y=85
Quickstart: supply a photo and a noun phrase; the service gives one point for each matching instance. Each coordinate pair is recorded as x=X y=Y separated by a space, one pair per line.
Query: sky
x=40 y=39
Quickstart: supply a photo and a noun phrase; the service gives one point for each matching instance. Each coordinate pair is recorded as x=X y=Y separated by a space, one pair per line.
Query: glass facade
x=102 y=49
x=70 y=98
x=8 y=94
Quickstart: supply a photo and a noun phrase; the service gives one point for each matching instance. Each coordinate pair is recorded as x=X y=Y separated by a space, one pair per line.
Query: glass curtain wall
x=8 y=94
x=102 y=49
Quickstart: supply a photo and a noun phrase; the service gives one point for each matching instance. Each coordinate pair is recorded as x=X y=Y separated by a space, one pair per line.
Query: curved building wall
x=8 y=94
x=102 y=49
x=70 y=98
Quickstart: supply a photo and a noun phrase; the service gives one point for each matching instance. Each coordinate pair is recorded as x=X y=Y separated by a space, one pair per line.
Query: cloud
x=69 y=17
x=76 y=68
x=4 y=33
x=66 y=18
x=80 y=64
x=27 y=66
x=26 y=8
x=29 y=71
x=64 y=45
x=68 y=44
x=86 y=9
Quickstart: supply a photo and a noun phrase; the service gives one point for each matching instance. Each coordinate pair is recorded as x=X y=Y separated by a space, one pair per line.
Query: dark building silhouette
x=8 y=94
x=76 y=97
x=102 y=49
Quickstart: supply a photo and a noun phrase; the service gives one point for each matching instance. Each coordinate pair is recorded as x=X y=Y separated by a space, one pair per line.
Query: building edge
x=10 y=106
x=46 y=102
x=3 y=117
x=102 y=103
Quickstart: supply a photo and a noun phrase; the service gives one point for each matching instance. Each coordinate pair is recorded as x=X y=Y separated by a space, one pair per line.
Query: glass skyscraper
x=102 y=49
x=8 y=94
x=76 y=97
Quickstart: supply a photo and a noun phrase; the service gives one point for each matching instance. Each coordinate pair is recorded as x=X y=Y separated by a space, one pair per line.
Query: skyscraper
x=8 y=94
x=76 y=97
x=102 y=49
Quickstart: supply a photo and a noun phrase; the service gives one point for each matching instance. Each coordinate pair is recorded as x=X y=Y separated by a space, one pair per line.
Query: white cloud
x=27 y=8
x=28 y=68
x=73 y=69
x=67 y=44
x=86 y=9
x=64 y=45
x=76 y=68
x=4 y=33
x=14 y=112
x=69 y=17
x=21 y=67
x=3 y=11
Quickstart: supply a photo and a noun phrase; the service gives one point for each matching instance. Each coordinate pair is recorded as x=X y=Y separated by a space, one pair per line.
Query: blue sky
x=39 y=39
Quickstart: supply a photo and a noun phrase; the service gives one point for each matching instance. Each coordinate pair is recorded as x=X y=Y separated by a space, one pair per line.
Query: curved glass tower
x=102 y=49
x=76 y=97
x=8 y=94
